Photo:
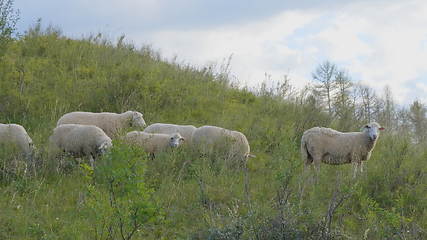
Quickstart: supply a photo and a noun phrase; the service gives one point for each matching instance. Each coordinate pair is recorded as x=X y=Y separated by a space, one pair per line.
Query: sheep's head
x=175 y=140
x=105 y=146
x=32 y=148
x=373 y=130
x=136 y=119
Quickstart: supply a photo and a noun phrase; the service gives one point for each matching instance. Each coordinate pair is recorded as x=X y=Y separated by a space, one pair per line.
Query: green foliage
x=8 y=19
x=118 y=198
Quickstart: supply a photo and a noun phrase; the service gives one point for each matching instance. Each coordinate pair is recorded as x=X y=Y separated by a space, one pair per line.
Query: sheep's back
x=79 y=139
x=208 y=138
x=17 y=135
x=336 y=144
x=208 y=135
x=150 y=142
x=185 y=130
x=108 y=122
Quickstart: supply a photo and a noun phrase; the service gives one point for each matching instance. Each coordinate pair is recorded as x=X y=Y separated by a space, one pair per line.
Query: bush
x=118 y=198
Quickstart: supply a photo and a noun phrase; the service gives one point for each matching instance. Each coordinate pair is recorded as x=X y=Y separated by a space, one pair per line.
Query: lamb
x=81 y=140
x=333 y=147
x=110 y=123
x=185 y=130
x=16 y=136
x=154 y=143
x=206 y=139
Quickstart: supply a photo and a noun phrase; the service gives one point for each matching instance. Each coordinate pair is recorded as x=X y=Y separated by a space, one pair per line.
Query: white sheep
x=110 y=123
x=211 y=138
x=154 y=143
x=186 y=131
x=81 y=140
x=14 y=135
x=333 y=147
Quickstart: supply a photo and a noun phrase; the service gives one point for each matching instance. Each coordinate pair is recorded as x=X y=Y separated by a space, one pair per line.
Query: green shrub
x=118 y=201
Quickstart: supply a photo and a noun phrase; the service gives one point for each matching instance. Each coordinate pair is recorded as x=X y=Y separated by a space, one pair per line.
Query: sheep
x=206 y=139
x=333 y=147
x=110 y=123
x=154 y=143
x=81 y=140
x=185 y=130
x=15 y=135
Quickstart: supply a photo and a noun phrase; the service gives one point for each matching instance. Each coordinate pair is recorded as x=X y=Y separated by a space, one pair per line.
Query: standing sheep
x=185 y=130
x=154 y=142
x=207 y=139
x=81 y=140
x=332 y=147
x=14 y=135
x=111 y=123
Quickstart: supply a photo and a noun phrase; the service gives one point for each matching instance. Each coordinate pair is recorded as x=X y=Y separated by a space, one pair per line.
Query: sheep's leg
x=305 y=172
x=152 y=156
x=355 y=168
x=92 y=162
x=60 y=162
x=303 y=180
x=317 y=159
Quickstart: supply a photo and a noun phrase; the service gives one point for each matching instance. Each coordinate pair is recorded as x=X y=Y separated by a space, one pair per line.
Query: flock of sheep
x=86 y=134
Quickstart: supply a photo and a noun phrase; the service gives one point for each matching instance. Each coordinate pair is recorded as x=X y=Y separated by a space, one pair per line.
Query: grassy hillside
x=180 y=195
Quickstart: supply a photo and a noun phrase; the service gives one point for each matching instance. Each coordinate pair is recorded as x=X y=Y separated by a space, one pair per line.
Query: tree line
x=348 y=102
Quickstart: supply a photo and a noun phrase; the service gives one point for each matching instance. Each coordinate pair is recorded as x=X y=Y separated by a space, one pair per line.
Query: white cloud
x=422 y=87
x=395 y=56
x=383 y=43
x=257 y=47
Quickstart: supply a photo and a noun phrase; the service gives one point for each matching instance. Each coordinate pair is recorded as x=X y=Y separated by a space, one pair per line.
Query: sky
x=378 y=42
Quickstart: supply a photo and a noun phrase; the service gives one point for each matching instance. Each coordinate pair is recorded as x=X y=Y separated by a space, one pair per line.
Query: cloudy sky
x=379 y=42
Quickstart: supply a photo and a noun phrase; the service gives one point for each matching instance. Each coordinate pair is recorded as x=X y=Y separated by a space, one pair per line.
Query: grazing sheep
x=332 y=147
x=111 y=123
x=185 y=130
x=81 y=140
x=206 y=139
x=154 y=142
x=16 y=136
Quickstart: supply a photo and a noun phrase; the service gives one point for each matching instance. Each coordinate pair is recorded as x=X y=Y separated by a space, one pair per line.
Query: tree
x=8 y=20
x=343 y=104
x=369 y=99
x=417 y=116
x=324 y=75
x=387 y=115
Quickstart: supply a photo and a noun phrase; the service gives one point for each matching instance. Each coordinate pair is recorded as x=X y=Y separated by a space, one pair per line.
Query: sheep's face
x=104 y=147
x=373 y=130
x=32 y=148
x=175 y=140
x=137 y=120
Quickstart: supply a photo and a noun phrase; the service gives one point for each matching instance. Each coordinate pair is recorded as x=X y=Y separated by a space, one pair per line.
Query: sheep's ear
x=132 y=116
x=365 y=127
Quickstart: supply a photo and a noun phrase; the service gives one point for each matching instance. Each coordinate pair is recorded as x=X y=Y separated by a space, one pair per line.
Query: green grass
x=44 y=75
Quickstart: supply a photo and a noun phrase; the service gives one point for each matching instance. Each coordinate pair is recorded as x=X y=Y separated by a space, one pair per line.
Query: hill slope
x=44 y=75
